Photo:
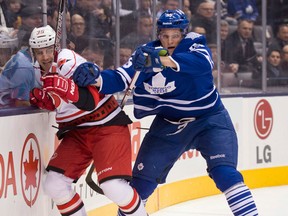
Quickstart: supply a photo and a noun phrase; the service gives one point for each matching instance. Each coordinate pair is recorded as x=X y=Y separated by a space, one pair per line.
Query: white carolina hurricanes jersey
x=67 y=63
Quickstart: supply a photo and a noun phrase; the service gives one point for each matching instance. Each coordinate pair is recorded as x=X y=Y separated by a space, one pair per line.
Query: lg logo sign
x=263 y=124
x=263 y=119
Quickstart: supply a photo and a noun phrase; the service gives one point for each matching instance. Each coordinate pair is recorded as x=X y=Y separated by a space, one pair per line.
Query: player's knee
x=225 y=177
x=117 y=190
x=143 y=187
x=56 y=185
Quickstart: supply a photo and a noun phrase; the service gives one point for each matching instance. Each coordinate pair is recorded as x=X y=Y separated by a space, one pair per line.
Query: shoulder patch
x=61 y=62
x=193 y=35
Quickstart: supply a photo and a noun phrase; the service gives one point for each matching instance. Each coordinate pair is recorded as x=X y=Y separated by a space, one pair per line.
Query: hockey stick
x=57 y=45
x=130 y=88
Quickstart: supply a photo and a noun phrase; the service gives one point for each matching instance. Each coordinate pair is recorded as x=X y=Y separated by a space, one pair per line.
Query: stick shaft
x=130 y=89
x=57 y=45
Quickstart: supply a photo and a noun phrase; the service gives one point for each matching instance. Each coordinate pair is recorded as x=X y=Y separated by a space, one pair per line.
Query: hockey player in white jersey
x=178 y=89
x=92 y=128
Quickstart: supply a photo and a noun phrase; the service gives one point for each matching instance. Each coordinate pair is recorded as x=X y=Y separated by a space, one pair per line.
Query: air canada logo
x=263 y=119
x=30 y=169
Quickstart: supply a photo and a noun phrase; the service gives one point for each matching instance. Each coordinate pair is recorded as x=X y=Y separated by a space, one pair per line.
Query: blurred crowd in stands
x=91 y=31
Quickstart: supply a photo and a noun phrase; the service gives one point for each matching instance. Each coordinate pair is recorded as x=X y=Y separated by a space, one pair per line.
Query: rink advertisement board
x=28 y=141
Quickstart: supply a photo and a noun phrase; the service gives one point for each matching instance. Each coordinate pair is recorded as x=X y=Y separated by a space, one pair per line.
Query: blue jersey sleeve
x=117 y=80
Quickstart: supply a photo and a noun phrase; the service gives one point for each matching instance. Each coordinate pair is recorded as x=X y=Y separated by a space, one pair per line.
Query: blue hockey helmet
x=173 y=19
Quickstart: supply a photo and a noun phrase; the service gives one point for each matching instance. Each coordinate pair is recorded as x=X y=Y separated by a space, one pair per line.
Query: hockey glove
x=62 y=86
x=41 y=99
x=138 y=59
x=154 y=54
x=86 y=74
x=153 y=62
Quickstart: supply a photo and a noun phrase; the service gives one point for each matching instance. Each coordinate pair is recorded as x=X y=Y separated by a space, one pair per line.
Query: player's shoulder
x=66 y=52
x=194 y=37
x=191 y=42
x=68 y=61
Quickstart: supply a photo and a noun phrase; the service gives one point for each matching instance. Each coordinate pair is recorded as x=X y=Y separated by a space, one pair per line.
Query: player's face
x=170 y=38
x=45 y=57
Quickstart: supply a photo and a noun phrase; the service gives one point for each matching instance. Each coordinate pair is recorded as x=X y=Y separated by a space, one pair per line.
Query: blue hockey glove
x=153 y=62
x=154 y=54
x=86 y=74
x=138 y=59
x=147 y=59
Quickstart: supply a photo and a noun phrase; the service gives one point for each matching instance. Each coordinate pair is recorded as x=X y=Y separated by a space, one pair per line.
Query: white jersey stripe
x=178 y=107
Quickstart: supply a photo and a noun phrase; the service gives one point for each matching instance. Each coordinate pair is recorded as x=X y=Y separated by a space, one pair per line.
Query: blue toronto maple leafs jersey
x=186 y=91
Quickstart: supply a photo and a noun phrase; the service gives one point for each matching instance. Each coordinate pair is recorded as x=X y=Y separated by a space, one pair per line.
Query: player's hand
x=154 y=54
x=138 y=59
x=62 y=86
x=147 y=59
x=41 y=99
x=86 y=74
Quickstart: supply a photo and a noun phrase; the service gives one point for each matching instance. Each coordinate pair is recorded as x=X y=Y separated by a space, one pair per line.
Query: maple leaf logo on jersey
x=158 y=85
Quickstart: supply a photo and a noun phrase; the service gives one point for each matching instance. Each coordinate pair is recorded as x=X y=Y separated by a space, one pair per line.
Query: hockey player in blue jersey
x=178 y=89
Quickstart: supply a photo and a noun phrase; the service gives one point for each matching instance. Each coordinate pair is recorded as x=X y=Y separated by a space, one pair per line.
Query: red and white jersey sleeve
x=67 y=63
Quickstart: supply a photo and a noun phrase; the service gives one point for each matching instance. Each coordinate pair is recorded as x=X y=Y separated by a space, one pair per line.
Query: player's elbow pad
x=88 y=98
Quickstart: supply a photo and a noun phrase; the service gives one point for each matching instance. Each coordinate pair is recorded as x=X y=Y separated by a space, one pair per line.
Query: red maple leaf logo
x=30 y=169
